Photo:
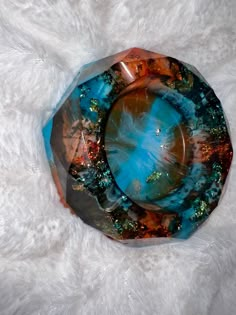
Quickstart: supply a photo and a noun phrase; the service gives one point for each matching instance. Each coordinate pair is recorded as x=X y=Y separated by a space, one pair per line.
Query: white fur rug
x=50 y=262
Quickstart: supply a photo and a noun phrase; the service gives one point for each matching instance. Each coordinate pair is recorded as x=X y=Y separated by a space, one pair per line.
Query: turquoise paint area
x=96 y=89
x=187 y=227
x=175 y=200
x=185 y=105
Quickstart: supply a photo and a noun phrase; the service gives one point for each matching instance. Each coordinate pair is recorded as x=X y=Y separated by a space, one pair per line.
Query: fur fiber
x=50 y=262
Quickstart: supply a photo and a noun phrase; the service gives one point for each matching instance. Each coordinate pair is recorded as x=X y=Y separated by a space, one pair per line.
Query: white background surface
x=50 y=262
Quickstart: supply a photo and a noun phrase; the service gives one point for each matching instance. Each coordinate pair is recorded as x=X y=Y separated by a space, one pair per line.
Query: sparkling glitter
x=78 y=187
x=153 y=177
x=201 y=210
x=83 y=91
x=158 y=131
x=94 y=105
x=124 y=198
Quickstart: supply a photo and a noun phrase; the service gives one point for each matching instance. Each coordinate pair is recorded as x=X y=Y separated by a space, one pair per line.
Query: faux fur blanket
x=51 y=262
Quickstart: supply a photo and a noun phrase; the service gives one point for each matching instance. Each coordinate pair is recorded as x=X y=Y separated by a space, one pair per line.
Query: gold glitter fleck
x=78 y=187
x=201 y=211
x=153 y=177
x=94 y=105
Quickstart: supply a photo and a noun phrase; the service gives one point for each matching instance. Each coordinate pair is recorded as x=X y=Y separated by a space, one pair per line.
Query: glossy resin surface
x=139 y=146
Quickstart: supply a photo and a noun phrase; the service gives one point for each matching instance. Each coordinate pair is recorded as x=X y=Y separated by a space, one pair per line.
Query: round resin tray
x=139 y=146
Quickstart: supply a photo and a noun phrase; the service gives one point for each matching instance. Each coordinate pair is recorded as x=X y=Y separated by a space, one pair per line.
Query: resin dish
x=139 y=146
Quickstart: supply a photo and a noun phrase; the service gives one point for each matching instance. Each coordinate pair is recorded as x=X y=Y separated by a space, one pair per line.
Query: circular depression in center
x=145 y=145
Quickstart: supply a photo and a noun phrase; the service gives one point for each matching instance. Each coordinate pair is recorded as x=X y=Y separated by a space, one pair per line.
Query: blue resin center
x=144 y=143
